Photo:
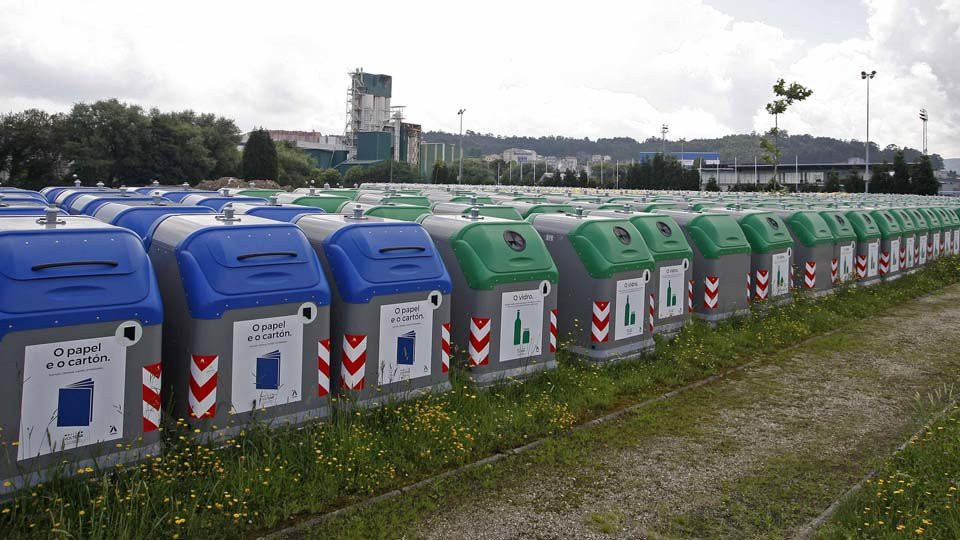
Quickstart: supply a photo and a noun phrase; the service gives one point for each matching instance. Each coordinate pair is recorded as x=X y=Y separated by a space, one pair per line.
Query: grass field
x=915 y=494
x=265 y=478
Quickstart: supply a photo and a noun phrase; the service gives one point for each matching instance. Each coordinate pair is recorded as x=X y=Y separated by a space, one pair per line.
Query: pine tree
x=924 y=181
x=260 y=160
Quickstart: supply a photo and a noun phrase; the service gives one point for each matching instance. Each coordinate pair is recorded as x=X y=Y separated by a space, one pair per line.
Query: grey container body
x=868 y=254
x=468 y=303
x=890 y=257
x=380 y=383
x=135 y=443
x=580 y=294
x=186 y=339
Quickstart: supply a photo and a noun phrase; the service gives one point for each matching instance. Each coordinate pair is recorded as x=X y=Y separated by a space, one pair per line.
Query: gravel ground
x=823 y=400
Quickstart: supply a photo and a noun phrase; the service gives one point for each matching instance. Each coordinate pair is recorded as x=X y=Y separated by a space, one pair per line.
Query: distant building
x=325 y=150
x=788 y=174
x=491 y=157
x=568 y=162
x=596 y=158
x=520 y=155
x=431 y=153
x=687 y=159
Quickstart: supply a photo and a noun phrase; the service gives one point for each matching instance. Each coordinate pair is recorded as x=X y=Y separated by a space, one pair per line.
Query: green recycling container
x=908 y=239
x=255 y=192
x=934 y=237
x=867 y=265
x=721 y=263
x=951 y=230
x=813 y=248
x=922 y=234
x=605 y=283
x=504 y=302
x=845 y=245
x=486 y=210
x=771 y=260
x=890 y=240
x=328 y=203
x=469 y=199
x=400 y=212
x=673 y=267
x=350 y=194
x=528 y=209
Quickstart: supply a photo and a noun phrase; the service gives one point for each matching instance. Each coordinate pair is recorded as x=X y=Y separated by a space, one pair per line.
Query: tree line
x=118 y=143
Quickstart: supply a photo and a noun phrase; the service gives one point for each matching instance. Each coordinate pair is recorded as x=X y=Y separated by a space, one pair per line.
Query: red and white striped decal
x=790 y=273
x=834 y=270
x=445 y=347
x=711 y=291
x=884 y=262
x=353 y=361
x=749 y=288
x=861 y=266
x=323 y=367
x=600 y=323
x=916 y=254
x=903 y=255
x=479 y=341
x=929 y=250
x=553 y=330
x=690 y=296
x=650 y=311
x=763 y=284
x=810 y=274
x=203 y=386
x=151 y=397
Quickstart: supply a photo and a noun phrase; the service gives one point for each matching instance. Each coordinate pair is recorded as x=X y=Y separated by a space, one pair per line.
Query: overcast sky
x=579 y=69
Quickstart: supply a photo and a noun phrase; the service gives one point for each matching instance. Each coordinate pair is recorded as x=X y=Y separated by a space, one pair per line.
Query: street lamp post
x=460 y=174
x=924 y=118
x=866 y=167
x=664 y=129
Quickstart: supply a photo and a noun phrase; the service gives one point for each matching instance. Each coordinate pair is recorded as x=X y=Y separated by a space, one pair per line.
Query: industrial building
x=431 y=153
x=687 y=159
x=788 y=174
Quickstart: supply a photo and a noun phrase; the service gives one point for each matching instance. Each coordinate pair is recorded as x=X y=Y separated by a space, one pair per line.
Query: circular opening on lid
x=622 y=235
x=867 y=218
x=773 y=223
x=664 y=229
x=514 y=240
x=840 y=219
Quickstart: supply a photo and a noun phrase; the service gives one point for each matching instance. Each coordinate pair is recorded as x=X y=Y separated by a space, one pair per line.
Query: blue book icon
x=268 y=371
x=75 y=404
x=406 y=347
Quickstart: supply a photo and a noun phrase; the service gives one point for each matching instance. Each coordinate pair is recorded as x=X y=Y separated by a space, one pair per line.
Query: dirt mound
x=229 y=181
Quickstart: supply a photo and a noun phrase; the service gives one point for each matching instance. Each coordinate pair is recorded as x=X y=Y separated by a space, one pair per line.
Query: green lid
x=863 y=224
x=663 y=236
x=254 y=192
x=530 y=199
x=717 y=235
x=949 y=219
x=919 y=222
x=413 y=200
x=487 y=260
x=329 y=203
x=349 y=193
x=402 y=212
x=889 y=228
x=810 y=228
x=609 y=246
x=528 y=209
x=839 y=225
x=664 y=205
x=904 y=220
x=765 y=231
x=933 y=220
x=480 y=199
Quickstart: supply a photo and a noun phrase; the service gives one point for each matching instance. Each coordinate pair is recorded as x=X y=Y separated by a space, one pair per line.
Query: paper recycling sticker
x=845 y=264
x=628 y=310
x=911 y=244
x=267 y=362
x=406 y=341
x=672 y=291
x=923 y=249
x=780 y=274
x=873 y=257
x=521 y=324
x=895 y=255
x=72 y=395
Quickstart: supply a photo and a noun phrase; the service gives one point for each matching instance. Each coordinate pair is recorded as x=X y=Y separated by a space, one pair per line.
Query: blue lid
x=25 y=210
x=217 y=202
x=177 y=195
x=67 y=201
x=91 y=207
x=287 y=212
x=17 y=193
x=141 y=219
x=80 y=272
x=148 y=190
x=238 y=266
x=12 y=197
x=50 y=193
x=380 y=258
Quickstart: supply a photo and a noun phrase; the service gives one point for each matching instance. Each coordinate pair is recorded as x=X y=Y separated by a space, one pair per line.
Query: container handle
x=402 y=248
x=246 y=256
x=45 y=266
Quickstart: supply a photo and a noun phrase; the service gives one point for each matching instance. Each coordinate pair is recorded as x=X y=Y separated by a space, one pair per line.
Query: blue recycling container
x=217 y=200
x=52 y=192
x=12 y=197
x=17 y=193
x=80 y=336
x=89 y=203
x=25 y=210
x=140 y=218
x=178 y=194
x=247 y=311
x=390 y=319
x=66 y=197
x=276 y=211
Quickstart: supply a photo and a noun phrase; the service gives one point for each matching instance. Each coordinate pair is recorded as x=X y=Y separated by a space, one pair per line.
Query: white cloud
x=602 y=69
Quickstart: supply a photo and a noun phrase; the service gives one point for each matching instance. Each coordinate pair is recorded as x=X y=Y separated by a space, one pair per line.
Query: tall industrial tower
x=368 y=106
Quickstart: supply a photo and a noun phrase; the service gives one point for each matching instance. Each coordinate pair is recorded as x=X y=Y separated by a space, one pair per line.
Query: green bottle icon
x=626 y=312
x=516 y=329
